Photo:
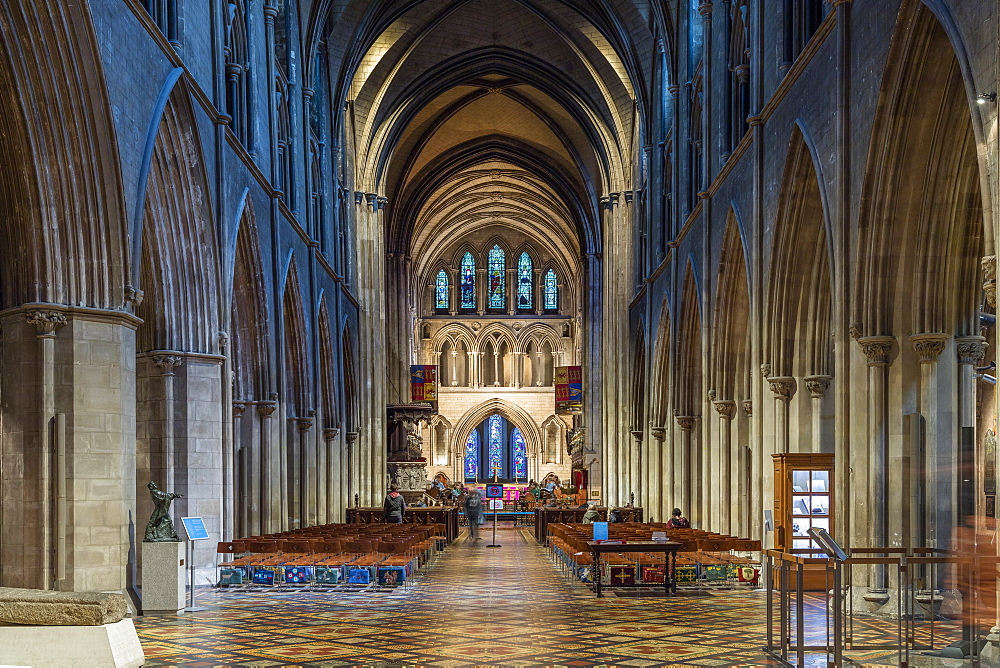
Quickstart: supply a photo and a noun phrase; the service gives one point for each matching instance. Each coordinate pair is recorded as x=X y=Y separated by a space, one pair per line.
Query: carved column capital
x=726 y=408
x=686 y=422
x=304 y=423
x=748 y=407
x=330 y=433
x=928 y=346
x=46 y=322
x=637 y=434
x=266 y=408
x=876 y=349
x=783 y=387
x=659 y=433
x=239 y=408
x=970 y=349
x=990 y=279
x=351 y=437
x=167 y=363
x=817 y=385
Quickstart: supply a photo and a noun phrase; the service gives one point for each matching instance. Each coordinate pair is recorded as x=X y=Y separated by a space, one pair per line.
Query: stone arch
x=639 y=393
x=440 y=429
x=689 y=397
x=296 y=352
x=553 y=433
x=178 y=254
x=327 y=370
x=249 y=329
x=799 y=286
x=731 y=340
x=514 y=414
x=62 y=194
x=659 y=410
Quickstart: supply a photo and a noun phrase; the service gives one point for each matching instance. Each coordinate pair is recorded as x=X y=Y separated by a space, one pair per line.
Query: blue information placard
x=600 y=530
x=494 y=491
x=194 y=527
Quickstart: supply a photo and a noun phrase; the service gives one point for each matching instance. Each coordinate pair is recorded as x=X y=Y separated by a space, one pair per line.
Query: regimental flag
x=569 y=389
x=423 y=382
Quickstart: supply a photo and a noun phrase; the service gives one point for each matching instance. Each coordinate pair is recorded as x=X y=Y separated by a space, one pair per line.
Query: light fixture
x=992 y=380
x=987 y=319
x=983 y=98
x=981 y=369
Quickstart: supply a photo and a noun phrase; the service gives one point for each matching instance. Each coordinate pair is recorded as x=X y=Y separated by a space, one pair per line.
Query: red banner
x=569 y=389
x=423 y=382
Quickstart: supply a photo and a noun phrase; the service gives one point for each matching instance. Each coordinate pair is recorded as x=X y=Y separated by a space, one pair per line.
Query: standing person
x=473 y=505
x=394 y=506
x=678 y=521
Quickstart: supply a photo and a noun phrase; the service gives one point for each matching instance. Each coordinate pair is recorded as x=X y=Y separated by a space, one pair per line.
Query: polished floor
x=475 y=606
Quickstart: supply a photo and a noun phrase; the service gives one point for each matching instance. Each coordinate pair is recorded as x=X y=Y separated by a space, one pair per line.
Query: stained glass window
x=519 y=455
x=494 y=450
x=472 y=456
x=551 y=291
x=497 y=293
x=441 y=291
x=524 y=282
x=468 y=281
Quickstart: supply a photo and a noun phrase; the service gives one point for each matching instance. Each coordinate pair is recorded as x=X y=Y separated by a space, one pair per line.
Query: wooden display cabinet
x=803 y=498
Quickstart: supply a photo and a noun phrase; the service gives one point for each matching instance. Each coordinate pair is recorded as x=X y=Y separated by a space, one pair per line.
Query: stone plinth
x=163 y=579
x=66 y=646
x=36 y=607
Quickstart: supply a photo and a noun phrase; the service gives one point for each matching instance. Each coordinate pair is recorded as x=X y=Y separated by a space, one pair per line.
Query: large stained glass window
x=472 y=456
x=497 y=293
x=518 y=455
x=494 y=450
x=441 y=291
x=525 y=274
x=551 y=291
x=468 y=282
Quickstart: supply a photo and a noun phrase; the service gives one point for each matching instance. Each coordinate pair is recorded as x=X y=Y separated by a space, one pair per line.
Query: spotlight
x=983 y=98
x=992 y=380
x=987 y=319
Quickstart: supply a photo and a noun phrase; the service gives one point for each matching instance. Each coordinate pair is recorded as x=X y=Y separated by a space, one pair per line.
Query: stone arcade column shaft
x=334 y=491
x=924 y=473
x=817 y=386
x=783 y=388
x=266 y=470
x=684 y=480
x=240 y=478
x=877 y=349
x=726 y=408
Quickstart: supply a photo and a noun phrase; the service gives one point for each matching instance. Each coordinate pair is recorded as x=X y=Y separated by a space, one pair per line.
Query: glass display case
x=803 y=498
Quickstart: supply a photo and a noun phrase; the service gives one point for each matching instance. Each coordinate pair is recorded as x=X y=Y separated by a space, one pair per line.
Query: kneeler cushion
x=359 y=576
x=715 y=572
x=686 y=574
x=298 y=574
x=391 y=575
x=231 y=576
x=263 y=576
x=327 y=575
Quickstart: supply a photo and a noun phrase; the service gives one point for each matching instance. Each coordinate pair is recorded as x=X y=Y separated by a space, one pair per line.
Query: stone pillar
x=658 y=464
x=922 y=500
x=309 y=472
x=67 y=484
x=454 y=367
x=817 y=385
x=971 y=352
x=350 y=471
x=334 y=492
x=482 y=295
x=266 y=469
x=512 y=288
x=168 y=456
x=517 y=374
x=877 y=349
x=682 y=477
x=539 y=295
x=726 y=408
x=241 y=474
x=783 y=388
x=454 y=295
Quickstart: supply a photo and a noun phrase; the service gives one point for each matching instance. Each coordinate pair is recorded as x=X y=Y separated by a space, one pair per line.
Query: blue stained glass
x=472 y=456
x=441 y=290
x=494 y=431
x=551 y=291
x=519 y=455
x=497 y=293
x=524 y=282
x=468 y=281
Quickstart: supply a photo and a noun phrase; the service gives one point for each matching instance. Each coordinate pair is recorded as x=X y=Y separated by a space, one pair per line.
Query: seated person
x=678 y=521
x=592 y=514
x=615 y=516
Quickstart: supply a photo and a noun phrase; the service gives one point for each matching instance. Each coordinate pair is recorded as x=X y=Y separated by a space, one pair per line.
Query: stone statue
x=161 y=528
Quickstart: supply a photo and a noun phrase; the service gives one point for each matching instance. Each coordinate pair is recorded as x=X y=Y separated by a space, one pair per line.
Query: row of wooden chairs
x=405 y=547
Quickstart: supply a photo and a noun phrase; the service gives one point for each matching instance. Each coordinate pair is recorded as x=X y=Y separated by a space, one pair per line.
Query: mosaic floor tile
x=474 y=606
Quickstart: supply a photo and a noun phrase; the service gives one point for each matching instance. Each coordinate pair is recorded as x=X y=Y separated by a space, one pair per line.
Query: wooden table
x=670 y=548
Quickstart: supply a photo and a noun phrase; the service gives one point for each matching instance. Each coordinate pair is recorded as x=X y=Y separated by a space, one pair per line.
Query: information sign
x=496 y=504
x=600 y=530
x=194 y=527
x=494 y=491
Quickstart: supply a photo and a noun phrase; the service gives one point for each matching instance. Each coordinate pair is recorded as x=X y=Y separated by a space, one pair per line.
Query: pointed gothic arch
x=249 y=329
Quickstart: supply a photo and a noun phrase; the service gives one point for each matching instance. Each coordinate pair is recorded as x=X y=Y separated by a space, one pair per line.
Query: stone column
x=817 y=385
x=308 y=486
x=635 y=461
x=512 y=289
x=454 y=367
x=658 y=464
x=783 y=388
x=971 y=352
x=682 y=478
x=240 y=473
x=922 y=499
x=265 y=472
x=350 y=477
x=726 y=408
x=877 y=349
x=482 y=294
x=454 y=294
x=539 y=295
x=517 y=375
x=168 y=450
x=334 y=492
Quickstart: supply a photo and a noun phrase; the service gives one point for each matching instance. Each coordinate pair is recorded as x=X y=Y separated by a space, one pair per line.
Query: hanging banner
x=423 y=382
x=569 y=389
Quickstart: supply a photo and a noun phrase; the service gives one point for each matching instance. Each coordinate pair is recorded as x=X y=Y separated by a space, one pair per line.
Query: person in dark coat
x=394 y=506
x=473 y=506
x=678 y=521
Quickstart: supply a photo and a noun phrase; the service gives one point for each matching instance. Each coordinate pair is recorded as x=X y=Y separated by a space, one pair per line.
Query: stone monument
x=163 y=579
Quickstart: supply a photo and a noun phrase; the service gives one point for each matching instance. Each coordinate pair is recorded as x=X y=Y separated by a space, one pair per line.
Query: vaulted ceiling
x=473 y=112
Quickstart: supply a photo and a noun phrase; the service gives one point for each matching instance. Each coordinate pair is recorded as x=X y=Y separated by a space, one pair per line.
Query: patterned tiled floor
x=476 y=607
